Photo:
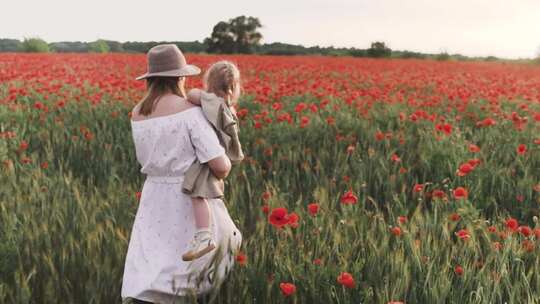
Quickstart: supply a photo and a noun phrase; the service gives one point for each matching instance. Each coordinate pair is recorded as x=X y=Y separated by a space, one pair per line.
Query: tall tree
x=238 y=35
x=35 y=45
x=379 y=49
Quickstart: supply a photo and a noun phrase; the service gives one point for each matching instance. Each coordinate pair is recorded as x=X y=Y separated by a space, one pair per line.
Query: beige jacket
x=199 y=180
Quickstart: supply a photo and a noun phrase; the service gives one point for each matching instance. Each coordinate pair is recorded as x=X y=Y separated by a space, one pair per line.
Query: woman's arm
x=220 y=166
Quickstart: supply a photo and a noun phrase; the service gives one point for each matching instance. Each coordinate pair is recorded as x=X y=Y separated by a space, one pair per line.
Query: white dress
x=163 y=226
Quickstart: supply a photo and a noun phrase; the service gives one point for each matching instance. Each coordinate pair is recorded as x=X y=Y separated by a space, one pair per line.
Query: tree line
x=238 y=35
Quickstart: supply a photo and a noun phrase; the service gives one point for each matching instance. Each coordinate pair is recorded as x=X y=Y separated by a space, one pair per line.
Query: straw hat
x=167 y=60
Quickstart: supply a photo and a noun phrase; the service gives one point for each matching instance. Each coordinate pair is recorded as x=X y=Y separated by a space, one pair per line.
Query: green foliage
x=99 y=46
x=358 y=53
x=10 y=45
x=35 y=45
x=444 y=56
x=70 y=47
x=379 y=49
x=238 y=35
x=64 y=230
x=114 y=46
x=408 y=55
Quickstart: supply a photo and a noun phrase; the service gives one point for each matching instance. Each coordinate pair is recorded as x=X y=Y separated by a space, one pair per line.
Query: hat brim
x=188 y=70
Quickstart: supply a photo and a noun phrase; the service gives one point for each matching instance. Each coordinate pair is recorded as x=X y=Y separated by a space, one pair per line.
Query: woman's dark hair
x=157 y=87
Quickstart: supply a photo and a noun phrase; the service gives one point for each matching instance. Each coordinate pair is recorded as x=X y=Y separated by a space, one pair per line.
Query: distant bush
x=99 y=46
x=114 y=46
x=379 y=49
x=408 y=55
x=10 y=45
x=358 y=53
x=70 y=47
x=444 y=56
x=35 y=45
x=491 y=58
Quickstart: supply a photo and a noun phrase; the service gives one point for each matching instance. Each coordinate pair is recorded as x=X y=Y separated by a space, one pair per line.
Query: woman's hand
x=194 y=96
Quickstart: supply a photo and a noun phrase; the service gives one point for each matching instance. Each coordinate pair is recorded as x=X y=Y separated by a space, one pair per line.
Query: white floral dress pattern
x=154 y=271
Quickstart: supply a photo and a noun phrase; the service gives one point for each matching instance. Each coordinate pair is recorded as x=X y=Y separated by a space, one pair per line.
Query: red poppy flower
x=330 y=120
x=88 y=135
x=23 y=145
x=241 y=259
x=277 y=106
x=395 y=158
x=402 y=219
x=265 y=209
x=293 y=220
x=349 y=198
x=304 y=121
x=279 y=217
x=455 y=217
x=458 y=270
x=44 y=165
x=460 y=193
x=474 y=162
x=266 y=196
x=525 y=230
x=536 y=232
x=464 y=169
x=313 y=209
x=287 y=289
x=474 y=148
x=418 y=188
x=438 y=193
x=396 y=231
x=138 y=195
x=346 y=279
x=463 y=234
x=317 y=262
x=521 y=149
x=512 y=224
x=379 y=136
x=528 y=245
x=486 y=122
x=300 y=107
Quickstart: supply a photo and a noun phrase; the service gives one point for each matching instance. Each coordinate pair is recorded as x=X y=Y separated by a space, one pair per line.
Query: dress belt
x=165 y=179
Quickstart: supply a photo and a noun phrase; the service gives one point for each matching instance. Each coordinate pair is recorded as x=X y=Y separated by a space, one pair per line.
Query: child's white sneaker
x=201 y=244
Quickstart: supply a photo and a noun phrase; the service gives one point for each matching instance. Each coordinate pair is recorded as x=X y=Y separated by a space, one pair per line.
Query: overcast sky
x=501 y=28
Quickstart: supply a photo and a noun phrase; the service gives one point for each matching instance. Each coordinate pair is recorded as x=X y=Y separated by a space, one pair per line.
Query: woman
x=169 y=134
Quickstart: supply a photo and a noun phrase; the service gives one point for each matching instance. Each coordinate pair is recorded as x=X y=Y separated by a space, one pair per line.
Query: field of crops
x=366 y=181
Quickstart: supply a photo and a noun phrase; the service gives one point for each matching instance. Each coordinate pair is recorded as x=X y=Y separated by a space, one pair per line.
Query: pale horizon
x=471 y=28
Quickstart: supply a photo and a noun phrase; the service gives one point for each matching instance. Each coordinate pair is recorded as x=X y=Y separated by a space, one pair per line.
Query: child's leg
x=203 y=241
x=201 y=212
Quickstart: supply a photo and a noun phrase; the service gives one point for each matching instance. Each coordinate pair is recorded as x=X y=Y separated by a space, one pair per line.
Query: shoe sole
x=195 y=255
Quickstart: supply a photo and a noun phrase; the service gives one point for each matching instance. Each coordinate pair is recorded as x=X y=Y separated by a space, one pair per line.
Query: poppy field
x=365 y=180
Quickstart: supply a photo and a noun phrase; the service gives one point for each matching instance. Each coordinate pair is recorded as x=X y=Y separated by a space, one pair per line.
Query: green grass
x=64 y=230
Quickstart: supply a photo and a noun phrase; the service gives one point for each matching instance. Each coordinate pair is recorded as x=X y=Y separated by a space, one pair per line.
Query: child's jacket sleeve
x=199 y=180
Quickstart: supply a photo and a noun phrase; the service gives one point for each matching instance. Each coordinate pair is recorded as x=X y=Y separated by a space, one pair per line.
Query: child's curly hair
x=223 y=79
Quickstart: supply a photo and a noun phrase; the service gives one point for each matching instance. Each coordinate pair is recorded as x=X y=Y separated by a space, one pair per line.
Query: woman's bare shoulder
x=167 y=105
x=174 y=103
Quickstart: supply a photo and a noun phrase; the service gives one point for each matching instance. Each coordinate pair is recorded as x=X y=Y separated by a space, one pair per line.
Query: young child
x=222 y=91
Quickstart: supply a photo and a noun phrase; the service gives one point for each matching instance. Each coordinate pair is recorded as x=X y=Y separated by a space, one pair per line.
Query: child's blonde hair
x=223 y=79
